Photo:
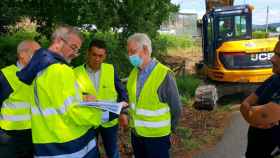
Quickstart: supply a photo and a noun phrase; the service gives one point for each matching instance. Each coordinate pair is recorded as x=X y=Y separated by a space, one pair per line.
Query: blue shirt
x=143 y=75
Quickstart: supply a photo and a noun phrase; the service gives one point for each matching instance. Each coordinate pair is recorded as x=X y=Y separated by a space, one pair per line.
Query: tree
x=123 y=17
x=128 y=15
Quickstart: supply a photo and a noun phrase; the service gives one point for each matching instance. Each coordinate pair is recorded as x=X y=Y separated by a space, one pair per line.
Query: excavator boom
x=217 y=3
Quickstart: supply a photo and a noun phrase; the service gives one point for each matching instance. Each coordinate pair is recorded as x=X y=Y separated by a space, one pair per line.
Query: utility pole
x=267 y=11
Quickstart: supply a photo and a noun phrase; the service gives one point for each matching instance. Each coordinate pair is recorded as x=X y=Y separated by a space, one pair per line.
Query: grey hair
x=142 y=40
x=25 y=46
x=64 y=31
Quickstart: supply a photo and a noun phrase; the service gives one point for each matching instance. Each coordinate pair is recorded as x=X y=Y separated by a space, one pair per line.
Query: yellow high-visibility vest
x=15 y=111
x=148 y=115
x=106 y=89
x=60 y=126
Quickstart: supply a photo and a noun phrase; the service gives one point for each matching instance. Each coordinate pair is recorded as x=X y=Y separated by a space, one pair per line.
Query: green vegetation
x=179 y=45
x=260 y=34
x=128 y=15
x=186 y=138
x=187 y=85
x=172 y=41
x=191 y=141
x=116 y=48
x=8 y=45
x=114 y=21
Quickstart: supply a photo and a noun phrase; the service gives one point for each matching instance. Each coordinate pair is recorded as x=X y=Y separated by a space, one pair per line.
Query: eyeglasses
x=72 y=46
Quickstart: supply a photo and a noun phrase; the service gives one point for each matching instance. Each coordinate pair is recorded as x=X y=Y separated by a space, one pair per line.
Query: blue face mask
x=135 y=60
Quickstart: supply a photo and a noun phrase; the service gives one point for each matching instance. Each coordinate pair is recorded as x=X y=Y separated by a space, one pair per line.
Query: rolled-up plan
x=108 y=106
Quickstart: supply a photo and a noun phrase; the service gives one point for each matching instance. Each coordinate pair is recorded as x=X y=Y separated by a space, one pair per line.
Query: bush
x=172 y=41
x=117 y=53
x=187 y=85
x=116 y=50
x=8 y=46
x=260 y=34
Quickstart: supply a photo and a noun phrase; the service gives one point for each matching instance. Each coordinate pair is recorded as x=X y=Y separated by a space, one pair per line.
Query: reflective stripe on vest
x=60 y=127
x=75 y=149
x=15 y=105
x=37 y=110
x=106 y=90
x=15 y=111
x=152 y=113
x=149 y=116
x=15 y=118
x=139 y=123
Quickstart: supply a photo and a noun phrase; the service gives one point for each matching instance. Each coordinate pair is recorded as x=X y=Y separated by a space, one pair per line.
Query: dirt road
x=233 y=143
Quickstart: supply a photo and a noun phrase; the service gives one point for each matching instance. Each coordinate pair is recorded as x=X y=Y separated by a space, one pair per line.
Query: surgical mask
x=135 y=60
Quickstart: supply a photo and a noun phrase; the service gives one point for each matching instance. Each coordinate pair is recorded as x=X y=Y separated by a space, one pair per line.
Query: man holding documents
x=61 y=126
x=154 y=101
x=101 y=80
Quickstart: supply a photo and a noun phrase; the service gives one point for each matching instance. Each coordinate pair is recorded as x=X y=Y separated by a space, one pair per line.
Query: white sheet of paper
x=108 y=106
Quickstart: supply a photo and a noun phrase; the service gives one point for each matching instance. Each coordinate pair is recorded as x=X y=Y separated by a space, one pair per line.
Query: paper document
x=108 y=106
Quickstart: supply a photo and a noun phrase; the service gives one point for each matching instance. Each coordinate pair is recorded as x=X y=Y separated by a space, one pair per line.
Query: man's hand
x=245 y=108
x=89 y=98
x=123 y=120
x=174 y=139
x=124 y=104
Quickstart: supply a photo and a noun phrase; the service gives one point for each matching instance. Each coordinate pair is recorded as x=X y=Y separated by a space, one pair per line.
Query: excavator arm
x=217 y=3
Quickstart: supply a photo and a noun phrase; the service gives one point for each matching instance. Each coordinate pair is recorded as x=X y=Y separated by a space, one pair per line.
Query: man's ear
x=146 y=50
x=20 y=55
x=58 y=43
x=105 y=55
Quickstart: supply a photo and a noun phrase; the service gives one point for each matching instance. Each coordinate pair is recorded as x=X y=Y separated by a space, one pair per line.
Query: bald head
x=25 y=51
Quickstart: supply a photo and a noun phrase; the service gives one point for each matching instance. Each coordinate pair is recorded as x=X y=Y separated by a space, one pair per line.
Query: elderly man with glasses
x=61 y=127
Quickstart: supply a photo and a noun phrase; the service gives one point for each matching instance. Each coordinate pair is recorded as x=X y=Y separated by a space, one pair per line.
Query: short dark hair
x=98 y=43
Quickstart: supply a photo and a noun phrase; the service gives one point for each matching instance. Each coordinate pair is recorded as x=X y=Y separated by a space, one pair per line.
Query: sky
x=259 y=13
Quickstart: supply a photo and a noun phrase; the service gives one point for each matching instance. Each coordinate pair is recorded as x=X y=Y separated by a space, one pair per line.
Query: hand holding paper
x=105 y=105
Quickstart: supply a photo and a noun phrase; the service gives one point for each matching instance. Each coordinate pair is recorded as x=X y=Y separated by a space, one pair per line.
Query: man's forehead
x=35 y=45
x=132 y=44
x=74 y=37
x=97 y=50
x=31 y=45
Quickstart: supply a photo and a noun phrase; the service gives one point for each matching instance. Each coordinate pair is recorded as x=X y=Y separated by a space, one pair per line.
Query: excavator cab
x=229 y=51
x=232 y=23
x=233 y=62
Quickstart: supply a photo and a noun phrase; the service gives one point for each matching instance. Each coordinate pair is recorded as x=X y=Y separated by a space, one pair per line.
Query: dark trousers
x=261 y=142
x=16 y=144
x=109 y=140
x=145 y=147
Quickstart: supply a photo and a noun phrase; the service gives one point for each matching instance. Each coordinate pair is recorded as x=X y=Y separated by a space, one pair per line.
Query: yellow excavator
x=233 y=62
